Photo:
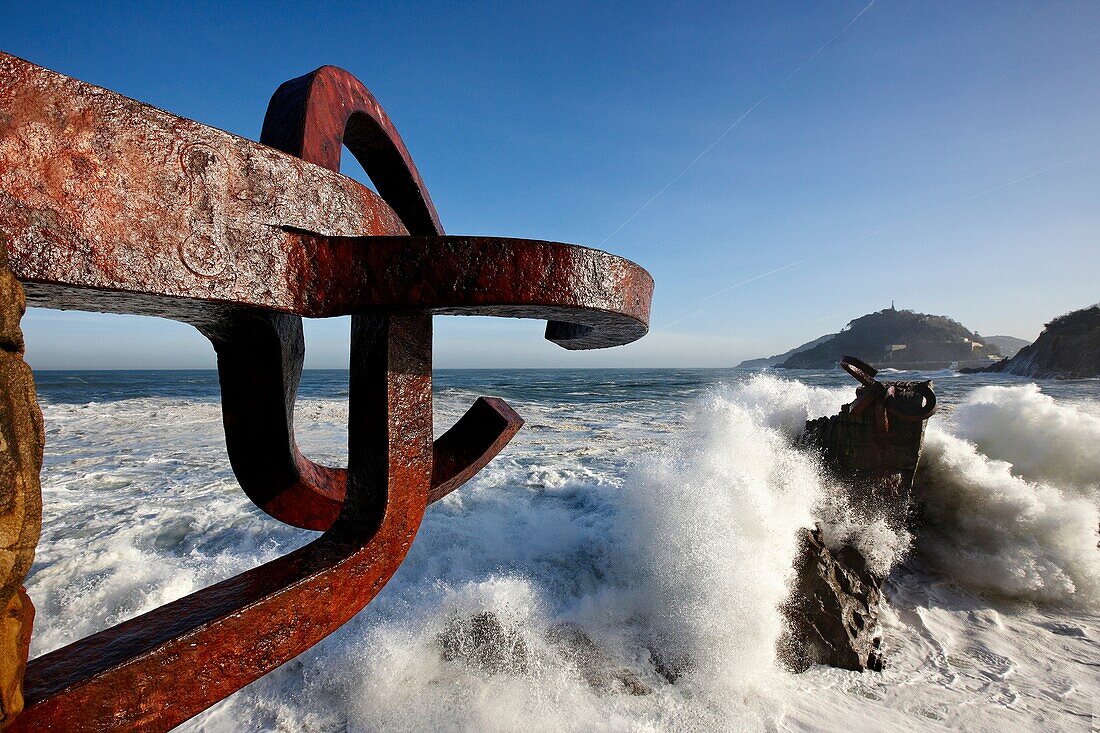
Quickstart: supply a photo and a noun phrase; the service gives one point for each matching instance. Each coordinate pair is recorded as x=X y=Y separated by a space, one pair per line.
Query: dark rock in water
x=833 y=613
x=595 y=665
x=670 y=666
x=1068 y=348
x=876 y=466
x=483 y=643
x=872 y=447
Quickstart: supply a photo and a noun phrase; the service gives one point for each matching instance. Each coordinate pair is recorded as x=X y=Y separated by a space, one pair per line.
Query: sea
x=655 y=509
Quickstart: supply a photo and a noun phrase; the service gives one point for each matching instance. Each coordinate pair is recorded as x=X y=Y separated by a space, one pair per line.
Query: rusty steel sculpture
x=108 y=204
x=874 y=444
x=912 y=402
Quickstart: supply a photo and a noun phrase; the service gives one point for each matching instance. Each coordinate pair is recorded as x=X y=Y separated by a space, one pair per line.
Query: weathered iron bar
x=108 y=204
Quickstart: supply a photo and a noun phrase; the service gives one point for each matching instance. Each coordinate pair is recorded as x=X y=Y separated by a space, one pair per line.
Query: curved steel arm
x=313 y=116
x=110 y=205
x=155 y=671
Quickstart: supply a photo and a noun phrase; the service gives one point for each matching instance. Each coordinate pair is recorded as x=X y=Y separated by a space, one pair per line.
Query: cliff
x=899 y=339
x=1068 y=348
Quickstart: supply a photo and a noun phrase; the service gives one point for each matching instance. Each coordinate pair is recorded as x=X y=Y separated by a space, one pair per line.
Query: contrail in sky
x=736 y=123
x=971 y=197
x=724 y=290
x=694 y=310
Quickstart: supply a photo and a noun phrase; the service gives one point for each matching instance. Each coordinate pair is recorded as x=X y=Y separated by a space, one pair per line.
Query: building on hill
x=900 y=339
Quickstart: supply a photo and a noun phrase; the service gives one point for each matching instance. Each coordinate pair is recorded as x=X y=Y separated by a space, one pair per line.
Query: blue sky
x=943 y=155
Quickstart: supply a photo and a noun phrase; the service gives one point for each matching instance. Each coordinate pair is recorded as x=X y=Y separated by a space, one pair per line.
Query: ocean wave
x=1010 y=497
x=665 y=530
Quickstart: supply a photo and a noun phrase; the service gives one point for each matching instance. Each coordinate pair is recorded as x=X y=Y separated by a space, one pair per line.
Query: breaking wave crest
x=1011 y=499
x=675 y=569
x=669 y=541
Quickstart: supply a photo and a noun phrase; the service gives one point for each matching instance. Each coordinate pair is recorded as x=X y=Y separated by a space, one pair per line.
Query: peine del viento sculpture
x=110 y=205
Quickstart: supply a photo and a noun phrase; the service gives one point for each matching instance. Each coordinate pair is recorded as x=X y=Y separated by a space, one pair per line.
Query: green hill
x=899 y=339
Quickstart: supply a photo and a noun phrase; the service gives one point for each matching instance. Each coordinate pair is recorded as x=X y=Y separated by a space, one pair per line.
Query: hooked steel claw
x=313 y=117
x=107 y=204
x=874 y=392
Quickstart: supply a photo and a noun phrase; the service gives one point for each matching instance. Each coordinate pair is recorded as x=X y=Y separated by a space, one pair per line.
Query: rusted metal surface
x=874 y=454
x=313 y=117
x=104 y=193
x=107 y=204
x=884 y=399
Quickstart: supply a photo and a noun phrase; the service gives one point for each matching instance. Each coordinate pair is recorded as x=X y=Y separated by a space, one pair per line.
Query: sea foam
x=1010 y=496
x=666 y=530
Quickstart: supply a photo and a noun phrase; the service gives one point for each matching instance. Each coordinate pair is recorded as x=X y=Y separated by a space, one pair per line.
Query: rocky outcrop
x=833 y=614
x=483 y=643
x=1068 y=348
x=833 y=609
x=899 y=339
x=21 y=442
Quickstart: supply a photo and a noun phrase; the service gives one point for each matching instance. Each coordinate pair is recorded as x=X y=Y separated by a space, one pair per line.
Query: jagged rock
x=483 y=643
x=833 y=612
x=876 y=467
x=833 y=609
x=1068 y=348
x=594 y=664
x=21 y=442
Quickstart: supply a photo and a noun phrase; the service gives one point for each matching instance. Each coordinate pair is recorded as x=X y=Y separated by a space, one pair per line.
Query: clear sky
x=779 y=168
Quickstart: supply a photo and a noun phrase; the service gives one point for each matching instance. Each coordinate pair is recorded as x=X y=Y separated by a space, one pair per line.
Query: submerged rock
x=833 y=613
x=595 y=665
x=483 y=643
x=670 y=664
x=872 y=448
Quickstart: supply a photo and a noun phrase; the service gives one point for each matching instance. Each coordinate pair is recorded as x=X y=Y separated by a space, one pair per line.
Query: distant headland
x=898 y=339
x=1068 y=348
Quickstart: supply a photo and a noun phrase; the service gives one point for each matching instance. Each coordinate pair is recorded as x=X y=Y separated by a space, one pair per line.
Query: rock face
x=1068 y=348
x=900 y=340
x=482 y=642
x=21 y=441
x=834 y=606
x=833 y=614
